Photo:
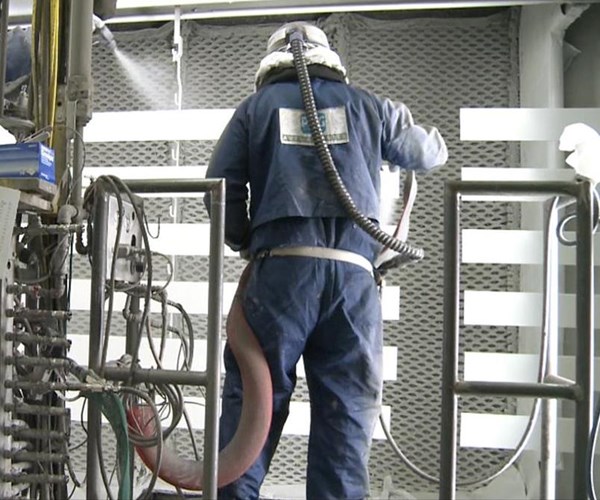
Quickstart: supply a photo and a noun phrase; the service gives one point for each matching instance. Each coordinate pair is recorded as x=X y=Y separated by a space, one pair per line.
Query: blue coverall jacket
x=325 y=311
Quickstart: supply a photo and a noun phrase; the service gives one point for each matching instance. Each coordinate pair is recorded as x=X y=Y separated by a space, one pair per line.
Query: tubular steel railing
x=581 y=390
x=211 y=378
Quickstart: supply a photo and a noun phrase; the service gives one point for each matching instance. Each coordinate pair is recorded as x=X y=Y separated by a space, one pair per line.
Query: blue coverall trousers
x=328 y=312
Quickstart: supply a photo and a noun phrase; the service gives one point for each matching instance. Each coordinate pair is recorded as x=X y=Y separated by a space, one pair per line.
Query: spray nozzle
x=105 y=33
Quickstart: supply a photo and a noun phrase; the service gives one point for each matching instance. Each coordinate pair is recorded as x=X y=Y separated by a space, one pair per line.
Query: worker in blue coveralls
x=311 y=290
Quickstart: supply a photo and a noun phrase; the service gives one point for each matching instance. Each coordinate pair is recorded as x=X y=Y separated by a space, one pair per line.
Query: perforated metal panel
x=435 y=66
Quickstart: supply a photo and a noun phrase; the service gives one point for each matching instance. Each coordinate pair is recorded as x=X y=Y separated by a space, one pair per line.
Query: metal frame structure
x=211 y=378
x=581 y=390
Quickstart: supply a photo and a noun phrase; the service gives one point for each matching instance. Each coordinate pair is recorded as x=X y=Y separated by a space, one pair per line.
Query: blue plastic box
x=27 y=160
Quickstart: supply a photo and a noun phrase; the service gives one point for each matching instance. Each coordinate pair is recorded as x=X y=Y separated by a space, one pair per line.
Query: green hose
x=113 y=409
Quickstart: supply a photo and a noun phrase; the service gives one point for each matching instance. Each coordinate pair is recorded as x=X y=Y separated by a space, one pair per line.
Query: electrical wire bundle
x=165 y=401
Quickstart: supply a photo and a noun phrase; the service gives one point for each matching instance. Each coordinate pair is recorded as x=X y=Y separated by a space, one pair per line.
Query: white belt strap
x=320 y=253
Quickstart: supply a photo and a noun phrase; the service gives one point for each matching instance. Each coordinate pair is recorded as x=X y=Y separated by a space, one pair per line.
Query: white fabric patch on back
x=294 y=128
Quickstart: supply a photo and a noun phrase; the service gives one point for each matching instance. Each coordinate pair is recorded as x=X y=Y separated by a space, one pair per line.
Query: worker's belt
x=319 y=253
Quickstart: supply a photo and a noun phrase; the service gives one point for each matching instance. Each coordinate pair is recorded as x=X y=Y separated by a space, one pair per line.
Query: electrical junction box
x=26 y=161
x=130 y=261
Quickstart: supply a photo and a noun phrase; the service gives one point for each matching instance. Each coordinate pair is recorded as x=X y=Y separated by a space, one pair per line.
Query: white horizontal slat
x=487 y=174
x=167 y=125
x=494 y=246
x=297 y=423
x=116 y=348
x=501 y=246
x=193 y=296
x=516 y=309
x=516 y=174
x=183 y=239
x=522 y=124
x=507 y=367
x=507 y=432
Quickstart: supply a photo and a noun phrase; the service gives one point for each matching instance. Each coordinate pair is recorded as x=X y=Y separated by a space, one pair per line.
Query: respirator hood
x=315 y=55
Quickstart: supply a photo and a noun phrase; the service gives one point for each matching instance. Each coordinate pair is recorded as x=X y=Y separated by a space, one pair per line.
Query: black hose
x=331 y=172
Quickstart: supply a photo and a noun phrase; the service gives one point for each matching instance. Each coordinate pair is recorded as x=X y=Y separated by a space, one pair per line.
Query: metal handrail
x=582 y=389
x=211 y=378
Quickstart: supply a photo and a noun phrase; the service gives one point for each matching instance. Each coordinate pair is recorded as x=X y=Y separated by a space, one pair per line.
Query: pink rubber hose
x=255 y=419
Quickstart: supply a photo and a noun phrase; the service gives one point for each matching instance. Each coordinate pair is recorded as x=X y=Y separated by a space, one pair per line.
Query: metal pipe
x=80 y=57
x=38 y=314
x=549 y=406
x=79 y=85
x=25 y=409
x=132 y=334
x=584 y=360
x=38 y=456
x=524 y=389
x=3 y=49
x=41 y=387
x=510 y=188
x=166 y=186
x=450 y=344
x=26 y=478
x=155 y=376
x=97 y=325
x=36 y=434
x=61 y=229
x=216 y=187
x=77 y=184
x=28 y=338
x=213 y=341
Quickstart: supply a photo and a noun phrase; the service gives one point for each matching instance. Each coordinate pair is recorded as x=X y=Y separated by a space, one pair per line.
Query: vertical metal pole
x=549 y=406
x=450 y=346
x=79 y=85
x=133 y=331
x=78 y=159
x=213 y=341
x=585 y=338
x=99 y=260
x=3 y=50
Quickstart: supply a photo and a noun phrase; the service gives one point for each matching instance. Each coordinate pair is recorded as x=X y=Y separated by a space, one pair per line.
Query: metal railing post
x=584 y=358
x=449 y=411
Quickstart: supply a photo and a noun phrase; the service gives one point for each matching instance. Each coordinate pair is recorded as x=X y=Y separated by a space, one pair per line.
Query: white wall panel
x=167 y=125
x=507 y=367
x=516 y=174
x=194 y=297
x=494 y=246
x=507 y=432
x=516 y=309
x=501 y=246
x=116 y=348
x=522 y=124
x=297 y=424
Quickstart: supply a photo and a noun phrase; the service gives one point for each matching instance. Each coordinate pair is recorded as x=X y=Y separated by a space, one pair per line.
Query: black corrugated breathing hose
x=296 y=40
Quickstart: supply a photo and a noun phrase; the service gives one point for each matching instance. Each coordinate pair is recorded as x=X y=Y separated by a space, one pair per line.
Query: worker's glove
x=245 y=254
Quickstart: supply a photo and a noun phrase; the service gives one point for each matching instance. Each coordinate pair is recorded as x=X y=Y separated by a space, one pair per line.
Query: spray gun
x=107 y=36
